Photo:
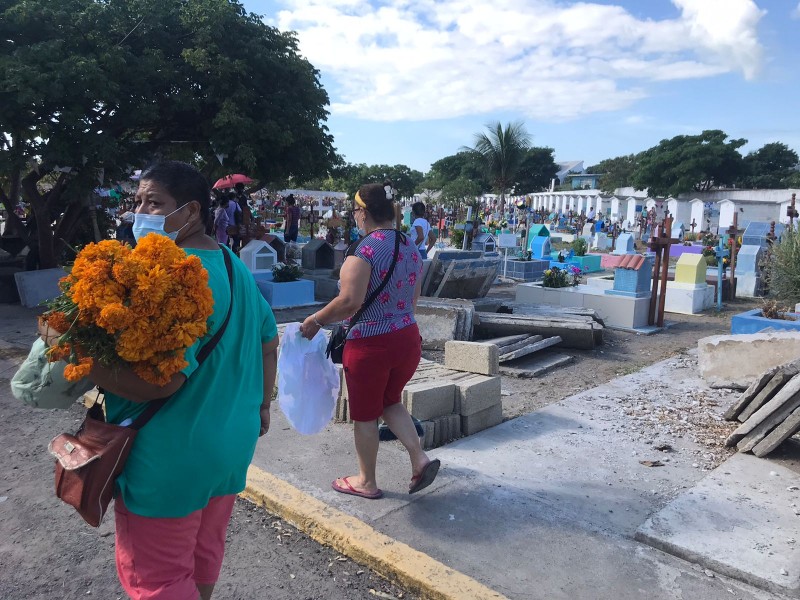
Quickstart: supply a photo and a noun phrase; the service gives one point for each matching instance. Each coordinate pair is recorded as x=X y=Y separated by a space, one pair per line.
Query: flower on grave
x=575 y=270
x=548 y=272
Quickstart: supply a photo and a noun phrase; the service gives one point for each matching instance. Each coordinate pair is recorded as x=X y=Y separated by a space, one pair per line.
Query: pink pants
x=165 y=559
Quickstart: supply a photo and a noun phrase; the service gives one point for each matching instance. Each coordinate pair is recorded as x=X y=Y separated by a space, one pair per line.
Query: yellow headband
x=359 y=201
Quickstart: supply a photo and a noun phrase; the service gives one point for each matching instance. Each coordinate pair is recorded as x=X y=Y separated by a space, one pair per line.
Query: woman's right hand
x=309 y=327
x=48 y=334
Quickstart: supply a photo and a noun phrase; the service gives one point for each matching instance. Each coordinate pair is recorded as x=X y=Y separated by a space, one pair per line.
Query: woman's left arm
x=354 y=281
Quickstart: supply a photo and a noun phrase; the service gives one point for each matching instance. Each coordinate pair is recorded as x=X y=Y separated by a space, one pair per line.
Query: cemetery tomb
x=484 y=242
x=259 y=256
x=625 y=244
x=698 y=215
x=633 y=276
x=678 y=230
x=726 y=210
x=749 y=283
x=691 y=269
x=689 y=294
x=600 y=241
x=757 y=234
x=540 y=248
x=317 y=254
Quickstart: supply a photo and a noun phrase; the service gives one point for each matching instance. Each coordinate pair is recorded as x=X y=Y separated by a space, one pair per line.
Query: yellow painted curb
x=417 y=572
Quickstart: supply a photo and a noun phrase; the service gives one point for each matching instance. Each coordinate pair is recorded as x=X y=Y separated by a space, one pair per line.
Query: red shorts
x=165 y=559
x=377 y=369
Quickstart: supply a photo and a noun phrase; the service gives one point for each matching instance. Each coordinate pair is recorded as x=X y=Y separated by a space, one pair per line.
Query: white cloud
x=431 y=59
x=796 y=12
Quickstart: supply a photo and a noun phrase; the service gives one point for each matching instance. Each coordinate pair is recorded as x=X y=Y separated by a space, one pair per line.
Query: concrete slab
x=739 y=521
x=737 y=360
x=534 y=366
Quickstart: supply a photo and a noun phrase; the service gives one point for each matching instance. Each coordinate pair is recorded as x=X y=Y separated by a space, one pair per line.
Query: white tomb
x=749 y=283
x=600 y=241
x=259 y=256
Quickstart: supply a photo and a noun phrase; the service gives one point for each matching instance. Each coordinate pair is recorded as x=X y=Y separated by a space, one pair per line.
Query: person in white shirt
x=590 y=215
x=421 y=229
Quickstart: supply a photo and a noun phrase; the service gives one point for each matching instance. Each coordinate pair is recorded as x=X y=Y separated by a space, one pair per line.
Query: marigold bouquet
x=138 y=307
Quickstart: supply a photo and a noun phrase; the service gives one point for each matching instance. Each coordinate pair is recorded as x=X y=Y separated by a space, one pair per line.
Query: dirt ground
x=46 y=552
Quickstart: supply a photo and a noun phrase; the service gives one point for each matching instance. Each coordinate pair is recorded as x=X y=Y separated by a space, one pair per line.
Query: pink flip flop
x=353 y=491
x=426 y=476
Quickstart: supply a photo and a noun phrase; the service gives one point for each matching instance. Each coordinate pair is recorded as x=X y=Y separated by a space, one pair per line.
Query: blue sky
x=412 y=81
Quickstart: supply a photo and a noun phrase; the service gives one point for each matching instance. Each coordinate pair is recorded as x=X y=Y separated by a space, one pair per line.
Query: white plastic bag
x=308 y=382
x=41 y=384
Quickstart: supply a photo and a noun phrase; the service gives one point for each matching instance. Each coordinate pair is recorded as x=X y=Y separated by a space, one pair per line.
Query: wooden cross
x=771 y=235
x=693 y=225
x=660 y=244
x=791 y=212
x=733 y=235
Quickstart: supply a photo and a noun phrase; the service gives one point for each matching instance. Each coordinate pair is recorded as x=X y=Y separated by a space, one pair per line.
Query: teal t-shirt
x=200 y=443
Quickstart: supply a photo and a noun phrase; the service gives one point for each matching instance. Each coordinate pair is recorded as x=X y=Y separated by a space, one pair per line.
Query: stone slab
x=777 y=381
x=536 y=365
x=473 y=357
x=730 y=521
x=530 y=349
x=751 y=392
x=476 y=394
x=35 y=287
x=735 y=361
x=427 y=401
x=779 y=435
x=489 y=417
x=767 y=417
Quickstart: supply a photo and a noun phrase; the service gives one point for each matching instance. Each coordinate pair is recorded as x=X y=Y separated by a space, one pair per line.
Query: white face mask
x=144 y=224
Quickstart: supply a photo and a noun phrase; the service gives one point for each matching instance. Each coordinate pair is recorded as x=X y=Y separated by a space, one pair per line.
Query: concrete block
x=476 y=394
x=453 y=426
x=735 y=361
x=429 y=432
x=35 y=287
x=427 y=401
x=437 y=326
x=473 y=357
x=688 y=298
x=484 y=419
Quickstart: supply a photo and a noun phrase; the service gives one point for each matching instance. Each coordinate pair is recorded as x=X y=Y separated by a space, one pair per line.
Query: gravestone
x=633 y=276
x=317 y=254
x=259 y=256
x=749 y=283
x=537 y=231
x=625 y=244
x=484 y=242
x=588 y=230
x=691 y=269
x=35 y=287
x=678 y=231
x=600 y=241
x=540 y=248
x=757 y=234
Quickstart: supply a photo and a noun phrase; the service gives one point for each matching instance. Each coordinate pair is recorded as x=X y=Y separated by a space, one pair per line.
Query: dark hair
x=181 y=181
x=418 y=208
x=239 y=187
x=290 y=199
x=378 y=205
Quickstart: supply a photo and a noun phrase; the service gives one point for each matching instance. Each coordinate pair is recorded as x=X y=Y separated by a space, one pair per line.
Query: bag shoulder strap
x=155 y=405
x=379 y=289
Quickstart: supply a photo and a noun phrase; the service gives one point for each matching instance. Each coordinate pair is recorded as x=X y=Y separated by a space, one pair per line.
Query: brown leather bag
x=89 y=462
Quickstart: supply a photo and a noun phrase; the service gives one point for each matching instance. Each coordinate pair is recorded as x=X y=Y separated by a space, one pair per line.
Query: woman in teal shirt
x=176 y=493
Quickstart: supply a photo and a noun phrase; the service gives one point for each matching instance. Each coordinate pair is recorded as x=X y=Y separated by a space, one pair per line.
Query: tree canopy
x=615 y=172
x=537 y=170
x=502 y=151
x=89 y=89
x=769 y=167
x=688 y=163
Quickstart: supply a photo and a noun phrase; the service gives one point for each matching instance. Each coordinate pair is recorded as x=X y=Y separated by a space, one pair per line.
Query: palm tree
x=502 y=151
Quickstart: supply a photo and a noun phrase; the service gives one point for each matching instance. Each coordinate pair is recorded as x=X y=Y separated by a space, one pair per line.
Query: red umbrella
x=231 y=180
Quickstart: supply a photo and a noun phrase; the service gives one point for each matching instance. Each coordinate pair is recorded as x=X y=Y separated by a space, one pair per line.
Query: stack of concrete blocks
x=749 y=283
x=442 y=320
x=689 y=294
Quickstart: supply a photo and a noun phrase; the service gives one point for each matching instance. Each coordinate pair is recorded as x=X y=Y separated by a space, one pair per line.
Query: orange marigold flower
x=79 y=371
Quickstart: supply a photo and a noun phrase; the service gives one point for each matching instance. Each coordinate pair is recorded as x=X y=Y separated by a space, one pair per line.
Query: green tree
x=769 y=167
x=502 y=151
x=537 y=170
x=460 y=192
x=615 y=172
x=464 y=165
x=688 y=163
x=90 y=89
